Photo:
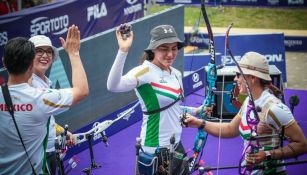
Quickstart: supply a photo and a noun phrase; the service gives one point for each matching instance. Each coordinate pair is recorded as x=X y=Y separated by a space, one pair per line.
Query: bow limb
x=253 y=144
x=250 y=95
x=211 y=72
x=210 y=34
x=209 y=101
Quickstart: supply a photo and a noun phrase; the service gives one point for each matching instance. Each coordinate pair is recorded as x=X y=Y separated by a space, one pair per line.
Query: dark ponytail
x=148 y=55
x=272 y=88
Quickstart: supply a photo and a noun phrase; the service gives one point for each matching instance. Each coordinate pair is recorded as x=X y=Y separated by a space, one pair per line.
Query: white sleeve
x=116 y=81
x=281 y=113
x=179 y=77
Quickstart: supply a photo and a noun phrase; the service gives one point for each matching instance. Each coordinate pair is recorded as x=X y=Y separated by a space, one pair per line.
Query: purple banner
x=54 y=19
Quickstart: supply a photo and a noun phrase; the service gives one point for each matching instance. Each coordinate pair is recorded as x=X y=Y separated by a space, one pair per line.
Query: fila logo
x=168 y=30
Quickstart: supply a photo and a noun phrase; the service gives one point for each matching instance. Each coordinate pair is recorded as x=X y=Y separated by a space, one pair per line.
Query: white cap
x=42 y=40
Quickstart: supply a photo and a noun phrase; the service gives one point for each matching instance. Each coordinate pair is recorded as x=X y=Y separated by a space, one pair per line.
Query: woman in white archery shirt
x=158 y=87
x=274 y=115
x=45 y=55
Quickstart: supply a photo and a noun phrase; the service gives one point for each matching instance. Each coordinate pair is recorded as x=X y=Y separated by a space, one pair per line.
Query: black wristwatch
x=268 y=155
x=203 y=124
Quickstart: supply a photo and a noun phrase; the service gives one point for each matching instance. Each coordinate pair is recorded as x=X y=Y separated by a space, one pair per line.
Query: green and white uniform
x=155 y=89
x=37 y=82
x=274 y=114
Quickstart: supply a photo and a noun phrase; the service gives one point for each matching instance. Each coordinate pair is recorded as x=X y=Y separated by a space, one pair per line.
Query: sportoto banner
x=54 y=19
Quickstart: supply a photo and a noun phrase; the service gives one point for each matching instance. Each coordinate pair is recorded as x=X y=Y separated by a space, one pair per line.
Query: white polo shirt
x=32 y=107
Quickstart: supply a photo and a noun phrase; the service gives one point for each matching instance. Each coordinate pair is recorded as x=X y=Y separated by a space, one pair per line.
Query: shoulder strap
x=9 y=105
x=181 y=97
x=163 y=108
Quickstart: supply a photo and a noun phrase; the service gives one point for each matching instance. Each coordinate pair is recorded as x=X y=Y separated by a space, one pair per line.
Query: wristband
x=203 y=124
x=268 y=155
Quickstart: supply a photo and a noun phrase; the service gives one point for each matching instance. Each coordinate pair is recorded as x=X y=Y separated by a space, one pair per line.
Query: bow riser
x=211 y=82
x=212 y=51
x=209 y=101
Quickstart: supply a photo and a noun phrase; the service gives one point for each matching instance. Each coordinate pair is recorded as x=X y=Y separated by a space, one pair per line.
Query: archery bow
x=101 y=127
x=252 y=145
x=257 y=166
x=209 y=101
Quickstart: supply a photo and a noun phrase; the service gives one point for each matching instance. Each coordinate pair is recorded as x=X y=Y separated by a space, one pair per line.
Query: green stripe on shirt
x=151 y=102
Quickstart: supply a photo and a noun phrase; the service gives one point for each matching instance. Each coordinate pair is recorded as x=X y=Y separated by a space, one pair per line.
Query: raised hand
x=72 y=42
x=124 y=43
x=79 y=80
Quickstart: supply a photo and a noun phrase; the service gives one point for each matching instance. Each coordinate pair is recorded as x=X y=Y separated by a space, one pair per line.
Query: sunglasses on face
x=238 y=75
x=40 y=52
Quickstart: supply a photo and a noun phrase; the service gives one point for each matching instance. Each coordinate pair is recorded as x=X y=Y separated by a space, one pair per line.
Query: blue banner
x=270 y=45
x=199 y=39
x=193 y=62
x=296 y=43
x=54 y=19
x=211 y=2
x=194 y=81
x=269 y=3
x=194 y=71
